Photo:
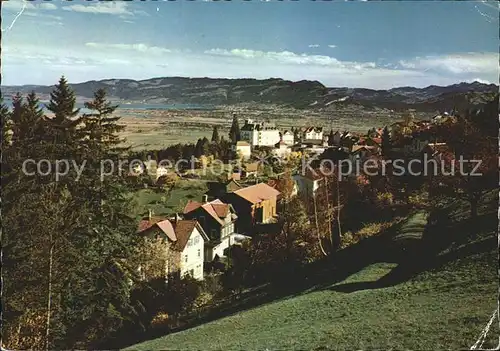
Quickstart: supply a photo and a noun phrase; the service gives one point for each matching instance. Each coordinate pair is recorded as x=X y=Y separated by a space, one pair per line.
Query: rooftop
x=257 y=193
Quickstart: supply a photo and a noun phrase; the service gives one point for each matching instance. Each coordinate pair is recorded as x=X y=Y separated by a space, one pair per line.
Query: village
x=244 y=200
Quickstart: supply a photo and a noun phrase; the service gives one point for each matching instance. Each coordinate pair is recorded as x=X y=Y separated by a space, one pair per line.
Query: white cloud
x=140 y=47
x=287 y=57
x=108 y=7
x=47 y=6
x=43 y=15
x=479 y=80
x=314 y=46
x=456 y=64
x=105 y=61
x=17 y=5
x=332 y=46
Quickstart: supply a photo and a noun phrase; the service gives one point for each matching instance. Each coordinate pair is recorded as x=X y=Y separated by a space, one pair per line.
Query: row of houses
x=204 y=231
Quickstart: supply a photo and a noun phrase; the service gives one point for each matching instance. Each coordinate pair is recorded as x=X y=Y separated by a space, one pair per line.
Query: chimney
x=204 y=198
x=177 y=218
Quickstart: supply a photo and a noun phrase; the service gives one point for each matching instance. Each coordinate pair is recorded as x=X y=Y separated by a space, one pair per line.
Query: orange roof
x=167 y=228
x=191 y=206
x=183 y=229
x=221 y=209
x=163 y=224
x=177 y=231
x=217 y=209
x=257 y=193
x=145 y=224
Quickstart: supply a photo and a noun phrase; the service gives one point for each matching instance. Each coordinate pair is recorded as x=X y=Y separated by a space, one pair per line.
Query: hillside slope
x=444 y=305
x=275 y=91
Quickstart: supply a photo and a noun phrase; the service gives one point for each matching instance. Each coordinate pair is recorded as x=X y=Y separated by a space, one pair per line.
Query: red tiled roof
x=217 y=209
x=167 y=228
x=183 y=229
x=191 y=206
x=257 y=193
x=177 y=231
x=163 y=224
x=145 y=224
x=221 y=209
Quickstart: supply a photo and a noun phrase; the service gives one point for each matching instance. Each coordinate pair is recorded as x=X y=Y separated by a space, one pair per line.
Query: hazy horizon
x=374 y=45
x=215 y=78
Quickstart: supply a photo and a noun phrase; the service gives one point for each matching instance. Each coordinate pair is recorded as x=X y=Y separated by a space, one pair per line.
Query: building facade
x=260 y=133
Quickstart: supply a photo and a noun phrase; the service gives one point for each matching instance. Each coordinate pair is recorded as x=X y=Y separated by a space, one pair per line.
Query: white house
x=287 y=137
x=243 y=148
x=191 y=240
x=308 y=183
x=260 y=134
x=184 y=241
x=312 y=133
x=249 y=132
x=218 y=221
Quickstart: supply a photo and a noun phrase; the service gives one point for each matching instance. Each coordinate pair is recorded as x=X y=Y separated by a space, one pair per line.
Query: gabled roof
x=191 y=206
x=177 y=231
x=257 y=193
x=359 y=148
x=221 y=210
x=216 y=209
x=316 y=129
x=161 y=223
x=183 y=229
x=145 y=224
x=232 y=185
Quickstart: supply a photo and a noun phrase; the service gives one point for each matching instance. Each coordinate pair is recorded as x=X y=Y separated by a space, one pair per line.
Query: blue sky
x=342 y=43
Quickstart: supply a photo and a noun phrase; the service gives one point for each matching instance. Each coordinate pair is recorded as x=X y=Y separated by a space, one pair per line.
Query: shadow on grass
x=443 y=240
x=440 y=244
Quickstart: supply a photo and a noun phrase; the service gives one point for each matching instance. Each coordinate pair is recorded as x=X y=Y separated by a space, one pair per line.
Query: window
x=196 y=240
x=185 y=258
x=199 y=253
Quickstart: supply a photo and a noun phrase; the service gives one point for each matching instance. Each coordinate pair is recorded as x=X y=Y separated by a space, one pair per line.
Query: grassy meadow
x=156 y=129
x=439 y=294
x=167 y=202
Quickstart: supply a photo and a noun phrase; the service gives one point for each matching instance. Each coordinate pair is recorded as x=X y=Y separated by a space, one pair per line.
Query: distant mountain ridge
x=276 y=91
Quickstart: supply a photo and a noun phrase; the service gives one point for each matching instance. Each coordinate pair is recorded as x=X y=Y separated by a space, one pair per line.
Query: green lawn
x=168 y=202
x=444 y=305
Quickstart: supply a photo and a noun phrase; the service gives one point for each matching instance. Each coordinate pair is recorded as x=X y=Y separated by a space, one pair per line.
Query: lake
x=128 y=106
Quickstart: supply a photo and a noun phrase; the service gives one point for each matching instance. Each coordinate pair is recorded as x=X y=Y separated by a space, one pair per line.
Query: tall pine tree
x=215 y=135
x=386 y=142
x=234 y=132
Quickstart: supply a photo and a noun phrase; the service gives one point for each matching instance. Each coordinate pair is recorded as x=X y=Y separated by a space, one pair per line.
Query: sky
x=368 y=44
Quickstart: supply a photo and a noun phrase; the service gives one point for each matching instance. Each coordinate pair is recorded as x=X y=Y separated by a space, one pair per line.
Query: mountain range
x=275 y=91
